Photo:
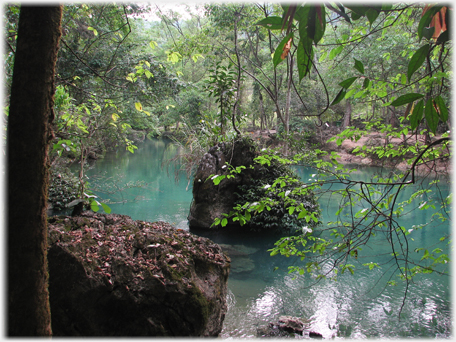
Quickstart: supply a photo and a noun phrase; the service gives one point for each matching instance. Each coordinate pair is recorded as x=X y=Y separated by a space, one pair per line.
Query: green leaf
x=426 y=19
x=417 y=115
x=94 y=206
x=350 y=93
x=359 y=66
x=407 y=98
x=106 y=208
x=334 y=52
x=348 y=82
x=366 y=83
x=138 y=106
x=431 y=115
x=443 y=111
x=148 y=73
x=304 y=57
x=271 y=23
x=316 y=23
x=372 y=14
x=278 y=52
x=417 y=60
x=339 y=97
x=95 y=32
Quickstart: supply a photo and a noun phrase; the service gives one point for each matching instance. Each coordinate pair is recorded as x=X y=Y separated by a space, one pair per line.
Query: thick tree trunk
x=29 y=132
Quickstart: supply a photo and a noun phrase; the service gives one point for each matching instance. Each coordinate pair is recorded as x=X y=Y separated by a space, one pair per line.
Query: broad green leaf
x=443 y=111
x=360 y=11
x=339 y=97
x=279 y=50
x=316 y=24
x=334 y=52
x=431 y=115
x=428 y=32
x=272 y=23
x=407 y=98
x=359 y=66
x=350 y=93
x=153 y=44
x=348 y=82
x=371 y=15
x=426 y=19
x=94 y=206
x=304 y=57
x=138 y=106
x=417 y=60
x=302 y=16
x=366 y=83
x=106 y=208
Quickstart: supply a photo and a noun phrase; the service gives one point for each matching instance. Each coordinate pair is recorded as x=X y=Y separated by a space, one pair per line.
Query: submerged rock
x=288 y=326
x=112 y=276
x=239 y=255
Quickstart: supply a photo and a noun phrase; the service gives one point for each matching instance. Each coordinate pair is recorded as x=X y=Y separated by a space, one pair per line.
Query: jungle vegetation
x=218 y=72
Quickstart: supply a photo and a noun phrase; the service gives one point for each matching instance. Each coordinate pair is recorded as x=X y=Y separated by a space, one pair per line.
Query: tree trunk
x=262 y=113
x=347 y=116
x=29 y=133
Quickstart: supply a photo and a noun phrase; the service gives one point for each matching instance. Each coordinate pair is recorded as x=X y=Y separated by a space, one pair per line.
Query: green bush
x=63 y=187
x=278 y=217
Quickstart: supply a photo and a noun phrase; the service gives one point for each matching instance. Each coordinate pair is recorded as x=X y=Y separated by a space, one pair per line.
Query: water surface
x=356 y=306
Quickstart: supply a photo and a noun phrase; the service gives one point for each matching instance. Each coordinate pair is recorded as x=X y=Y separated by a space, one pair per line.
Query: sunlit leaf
x=106 y=208
x=138 y=106
x=94 y=206
x=95 y=32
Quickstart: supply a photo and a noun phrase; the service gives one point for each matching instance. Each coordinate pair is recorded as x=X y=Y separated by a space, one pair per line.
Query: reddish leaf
x=286 y=48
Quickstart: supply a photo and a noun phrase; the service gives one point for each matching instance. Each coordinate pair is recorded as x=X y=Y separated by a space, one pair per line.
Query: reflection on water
x=356 y=306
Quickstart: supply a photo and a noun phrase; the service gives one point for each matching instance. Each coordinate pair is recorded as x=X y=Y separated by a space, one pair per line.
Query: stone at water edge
x=112 y=276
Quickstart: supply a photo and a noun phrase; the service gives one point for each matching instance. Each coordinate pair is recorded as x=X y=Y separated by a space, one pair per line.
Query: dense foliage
x=308 y=72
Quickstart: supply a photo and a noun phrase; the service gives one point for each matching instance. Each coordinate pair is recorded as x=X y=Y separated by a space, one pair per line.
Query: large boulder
x=250 y=185
x=211 y=201
x=112 y=276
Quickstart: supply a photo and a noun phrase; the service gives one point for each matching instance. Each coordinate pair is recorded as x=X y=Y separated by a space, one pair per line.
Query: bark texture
x=30 y=115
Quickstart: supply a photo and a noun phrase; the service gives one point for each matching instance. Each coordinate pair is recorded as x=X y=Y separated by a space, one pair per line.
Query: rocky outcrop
x=211 y=201
x=112 y=276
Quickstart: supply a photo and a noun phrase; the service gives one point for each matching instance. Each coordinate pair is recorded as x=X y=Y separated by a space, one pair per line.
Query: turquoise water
x=356 y=306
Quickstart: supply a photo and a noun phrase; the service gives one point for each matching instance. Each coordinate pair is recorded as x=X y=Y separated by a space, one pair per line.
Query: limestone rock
x=211 y=201
x=112 y=276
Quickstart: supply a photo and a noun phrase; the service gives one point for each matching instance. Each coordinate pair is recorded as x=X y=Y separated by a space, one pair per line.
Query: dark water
x=356 y=306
